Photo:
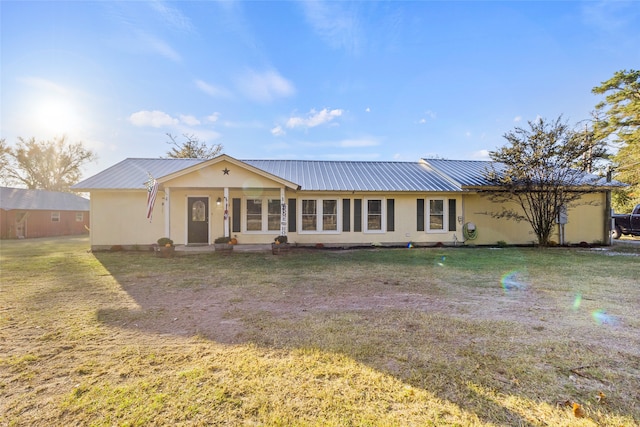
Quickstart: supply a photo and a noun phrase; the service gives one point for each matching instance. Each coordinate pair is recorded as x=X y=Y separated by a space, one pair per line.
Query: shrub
x=281 y=239
x=163 y=241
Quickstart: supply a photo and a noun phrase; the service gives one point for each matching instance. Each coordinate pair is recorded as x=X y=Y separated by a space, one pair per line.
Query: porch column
x=284 y=220
x=167 y=211
x=226 y=211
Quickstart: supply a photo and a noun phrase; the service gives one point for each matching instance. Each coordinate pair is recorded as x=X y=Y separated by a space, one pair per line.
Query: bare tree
x=192 y=148
x=536 y=169
x=46 y=165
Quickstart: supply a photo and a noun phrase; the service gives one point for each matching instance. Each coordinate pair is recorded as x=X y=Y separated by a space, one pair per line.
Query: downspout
x=607 y=213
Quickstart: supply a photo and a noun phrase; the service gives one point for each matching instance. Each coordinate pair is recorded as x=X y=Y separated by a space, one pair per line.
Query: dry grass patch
x=369 y=337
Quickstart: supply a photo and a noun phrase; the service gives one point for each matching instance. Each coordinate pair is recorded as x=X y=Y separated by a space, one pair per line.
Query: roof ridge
x=329 y=161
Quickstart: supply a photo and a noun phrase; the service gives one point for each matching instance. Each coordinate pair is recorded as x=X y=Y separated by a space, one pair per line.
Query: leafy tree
x=619 y=120
x=536 y=170
x=192 y=148
x=45 y=165
x=4 y=156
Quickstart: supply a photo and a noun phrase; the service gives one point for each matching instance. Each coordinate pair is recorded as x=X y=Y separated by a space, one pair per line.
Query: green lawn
x=446 y=336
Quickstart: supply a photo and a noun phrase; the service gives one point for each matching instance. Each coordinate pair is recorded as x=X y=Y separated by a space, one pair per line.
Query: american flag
x=152 y=193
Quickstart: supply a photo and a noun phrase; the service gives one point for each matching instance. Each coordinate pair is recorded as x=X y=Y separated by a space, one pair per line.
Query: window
x=374 y=215
x=320 y=215
x=254 y=215
x=309 y=215
x=273 y=215
x=55 y=216
x=79 y=216
x=263 y=215
x=436 y=215
x=330 y=215
x=198 y=212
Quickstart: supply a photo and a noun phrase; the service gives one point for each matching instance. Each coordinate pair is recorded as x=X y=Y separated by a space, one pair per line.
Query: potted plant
x=223 y=244
x=165 y=248
x=280 y=245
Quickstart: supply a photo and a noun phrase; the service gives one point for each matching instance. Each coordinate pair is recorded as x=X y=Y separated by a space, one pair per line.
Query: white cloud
x=429 y=115
x=467 y=134
x=212 y=90
x=336 y=23
x=189 y=120
x=481 y=155
x=213 y=117
x=159 y=46
x=172 y=16
x=609 y=16
x=314 y=118
x=154 y=119
x=358 y=143
x=517 y=119
x=278 y=131
x=265 y=86
x=368 y=110
x=344 y=143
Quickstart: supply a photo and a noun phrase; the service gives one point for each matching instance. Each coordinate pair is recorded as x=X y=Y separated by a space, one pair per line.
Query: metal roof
x=472 y=173
x=21 y=198
x=317 y=175
x=356 y=176
x=465 y=172
x=132 y=173
x=310 y=175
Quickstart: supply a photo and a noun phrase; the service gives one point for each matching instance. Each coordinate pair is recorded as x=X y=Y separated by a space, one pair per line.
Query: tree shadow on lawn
x=425 y=336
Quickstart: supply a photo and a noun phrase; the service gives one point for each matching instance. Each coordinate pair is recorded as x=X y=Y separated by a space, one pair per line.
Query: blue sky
x=321 y=80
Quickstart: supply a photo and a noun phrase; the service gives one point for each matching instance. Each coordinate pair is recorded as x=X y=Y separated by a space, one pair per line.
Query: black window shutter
x=420 y=211
x=291 y=216
x=235 y=220
x=357 y=214
x=346 y=214
x=390 y=214
x=452 y=215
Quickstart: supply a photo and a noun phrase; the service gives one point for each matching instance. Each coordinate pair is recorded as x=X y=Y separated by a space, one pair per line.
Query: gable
x=223 y=173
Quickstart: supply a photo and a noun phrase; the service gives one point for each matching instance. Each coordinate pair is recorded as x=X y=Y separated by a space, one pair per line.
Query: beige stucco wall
x=585 y=222
x=405 y=223
x=120 y=218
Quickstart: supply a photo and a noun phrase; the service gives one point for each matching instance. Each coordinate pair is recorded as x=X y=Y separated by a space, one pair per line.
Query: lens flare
x=510 y=281
x=577 y=301
x=602 y=318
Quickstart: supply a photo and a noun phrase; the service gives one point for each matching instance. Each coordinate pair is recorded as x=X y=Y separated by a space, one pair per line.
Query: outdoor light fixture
x=219 y=201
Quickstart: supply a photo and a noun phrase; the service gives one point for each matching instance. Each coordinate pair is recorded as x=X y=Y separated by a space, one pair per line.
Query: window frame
x=444 y=214
x=383 y=215
x=79 y=216
x=55 y=216
x=320 y=215
x=264 y=214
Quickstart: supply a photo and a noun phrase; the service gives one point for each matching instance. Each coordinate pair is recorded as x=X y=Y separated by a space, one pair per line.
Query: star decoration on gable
x=225 y=171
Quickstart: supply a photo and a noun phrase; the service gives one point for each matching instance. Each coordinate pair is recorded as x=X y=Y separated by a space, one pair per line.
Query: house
x=336 y=203
x=39 y=213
